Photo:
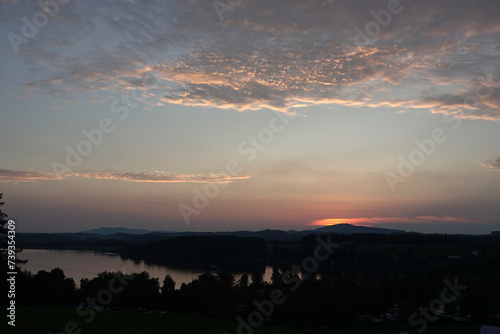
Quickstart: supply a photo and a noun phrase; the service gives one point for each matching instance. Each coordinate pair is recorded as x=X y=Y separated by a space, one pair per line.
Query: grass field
x=32 y=320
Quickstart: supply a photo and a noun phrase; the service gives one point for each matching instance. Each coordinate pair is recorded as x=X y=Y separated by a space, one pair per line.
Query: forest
x=366 y=278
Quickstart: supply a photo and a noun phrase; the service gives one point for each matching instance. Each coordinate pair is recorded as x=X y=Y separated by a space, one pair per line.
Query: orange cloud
x=493 y=164
x=380 y=220
x=13 y=176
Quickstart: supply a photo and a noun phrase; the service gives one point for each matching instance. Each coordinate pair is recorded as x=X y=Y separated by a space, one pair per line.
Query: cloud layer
x=374 y=221
x=442 y=56
x=493 y=164
x=13 y=176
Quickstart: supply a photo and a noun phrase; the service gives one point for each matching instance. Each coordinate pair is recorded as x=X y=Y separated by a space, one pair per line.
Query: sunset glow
x=376 y=221
x=282 y=115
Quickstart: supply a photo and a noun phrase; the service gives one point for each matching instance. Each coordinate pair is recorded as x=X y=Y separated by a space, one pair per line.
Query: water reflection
x=79 y=264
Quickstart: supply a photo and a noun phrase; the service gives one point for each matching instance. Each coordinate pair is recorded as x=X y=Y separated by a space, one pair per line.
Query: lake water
x=79 y=264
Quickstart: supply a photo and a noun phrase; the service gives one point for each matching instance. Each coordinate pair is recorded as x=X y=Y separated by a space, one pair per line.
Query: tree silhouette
x=3 y=233
x=3 y=249
x=4 y=237
x=257 y=277
x=168 y=294
x=168 y=285
x=52 y=288
x=276 y=276
x=142 y=291
x=243 y=282
x=225 y=279
x=4 y=246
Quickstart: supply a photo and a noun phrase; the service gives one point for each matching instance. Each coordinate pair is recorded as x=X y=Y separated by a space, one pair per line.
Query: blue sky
x=201 y=115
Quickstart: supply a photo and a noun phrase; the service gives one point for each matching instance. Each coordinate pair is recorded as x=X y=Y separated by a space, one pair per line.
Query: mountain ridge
x=114 y=230
x=338 y=228
x=351 y=229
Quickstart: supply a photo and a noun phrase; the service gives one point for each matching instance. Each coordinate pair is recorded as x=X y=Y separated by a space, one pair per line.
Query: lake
x=79 y=264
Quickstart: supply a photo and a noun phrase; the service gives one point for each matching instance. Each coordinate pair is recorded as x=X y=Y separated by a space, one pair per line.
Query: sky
x=233 y=115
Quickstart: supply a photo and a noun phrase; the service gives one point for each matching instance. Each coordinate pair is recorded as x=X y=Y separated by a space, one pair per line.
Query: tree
x=225 y=280
x=3 y=250
x=4 y=231
x=52 y=288
x=276 y=276
x=142 y=291
x=243 y=282
x=168 y=285
x=168 y=293
x=257 y=277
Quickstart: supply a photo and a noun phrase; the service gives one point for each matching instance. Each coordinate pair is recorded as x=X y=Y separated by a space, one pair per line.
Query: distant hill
x=267 y=234
x=115 y=230
x=352 y=229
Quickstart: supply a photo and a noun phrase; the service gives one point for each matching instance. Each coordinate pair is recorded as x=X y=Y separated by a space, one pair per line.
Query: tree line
x=373 y=275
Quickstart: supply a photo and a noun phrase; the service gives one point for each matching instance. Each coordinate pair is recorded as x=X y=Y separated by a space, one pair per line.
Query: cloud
x=159 y=177
x=493 y=164
x=374 y=221
x=270 y=54
x=14 y=176
x=11 y=176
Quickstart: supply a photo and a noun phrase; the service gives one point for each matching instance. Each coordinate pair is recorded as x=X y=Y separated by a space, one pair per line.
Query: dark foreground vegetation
x=361 y=283
x=369 y=280
x=228 y=252
x=52 y=319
